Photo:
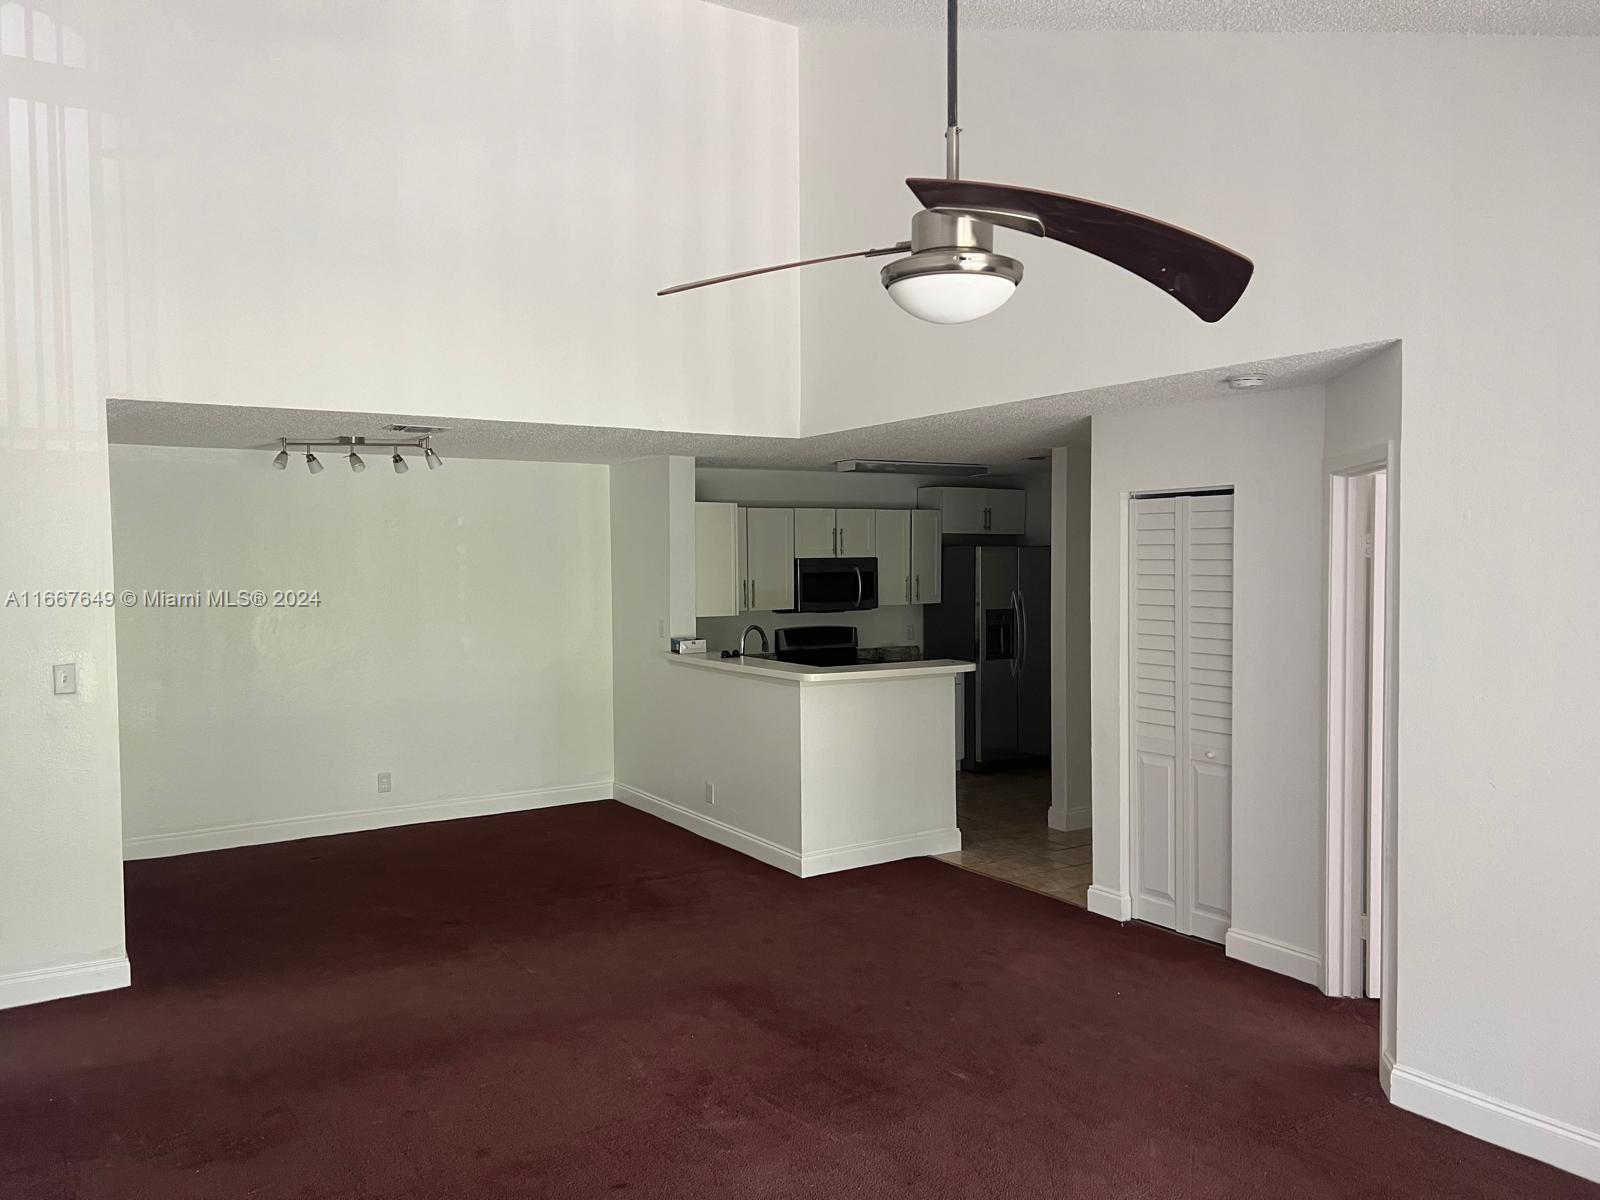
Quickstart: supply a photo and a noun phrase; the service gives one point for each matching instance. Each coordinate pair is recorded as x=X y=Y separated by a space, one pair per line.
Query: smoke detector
x=1243 y=383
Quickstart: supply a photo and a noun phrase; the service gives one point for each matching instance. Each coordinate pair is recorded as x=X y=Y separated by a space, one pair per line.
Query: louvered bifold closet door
x=1154 y=674
x=1206 y=812
x=1181 y=585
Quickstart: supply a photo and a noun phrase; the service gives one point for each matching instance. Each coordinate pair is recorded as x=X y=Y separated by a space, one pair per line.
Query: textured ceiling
x=1003 y=436
x=1558 y=17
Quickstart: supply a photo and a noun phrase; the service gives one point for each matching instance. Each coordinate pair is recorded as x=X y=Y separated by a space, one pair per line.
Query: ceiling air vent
x=413 y=430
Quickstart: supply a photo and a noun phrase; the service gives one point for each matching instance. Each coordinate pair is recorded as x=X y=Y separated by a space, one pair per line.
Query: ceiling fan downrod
x=952 y=129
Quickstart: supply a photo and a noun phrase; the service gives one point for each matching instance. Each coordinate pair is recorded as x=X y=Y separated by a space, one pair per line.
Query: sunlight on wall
x=62 y=252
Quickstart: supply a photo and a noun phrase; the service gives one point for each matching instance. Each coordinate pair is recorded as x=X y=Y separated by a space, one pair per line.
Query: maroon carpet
x=585 y=1001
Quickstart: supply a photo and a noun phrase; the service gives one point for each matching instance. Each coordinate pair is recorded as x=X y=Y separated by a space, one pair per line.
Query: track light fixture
x=351 y=448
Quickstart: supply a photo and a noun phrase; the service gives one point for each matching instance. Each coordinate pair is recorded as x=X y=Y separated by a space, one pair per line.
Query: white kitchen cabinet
x=892 y=536
x=769 y=558
x=815 y=534
x=833 y=533
x=927 y=556
x=856 y=532
x=977 y=510
x=716 y=560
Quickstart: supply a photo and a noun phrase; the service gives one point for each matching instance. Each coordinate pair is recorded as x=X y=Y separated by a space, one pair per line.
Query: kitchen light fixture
x=351 y=448
x=891 y=466
x=1243 y=383
x=952 y=273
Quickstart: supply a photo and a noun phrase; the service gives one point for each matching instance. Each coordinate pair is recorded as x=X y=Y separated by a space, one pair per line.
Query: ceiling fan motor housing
x=951 y=242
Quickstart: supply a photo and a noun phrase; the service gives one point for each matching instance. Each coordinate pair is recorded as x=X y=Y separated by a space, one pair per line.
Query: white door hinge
x=1365 y=927
x=1366 y=546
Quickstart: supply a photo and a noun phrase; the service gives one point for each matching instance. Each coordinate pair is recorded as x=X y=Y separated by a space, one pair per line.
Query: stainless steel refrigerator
x=995 y=612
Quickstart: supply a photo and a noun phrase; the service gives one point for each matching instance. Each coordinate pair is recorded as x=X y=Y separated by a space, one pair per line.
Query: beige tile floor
x=1004 y=835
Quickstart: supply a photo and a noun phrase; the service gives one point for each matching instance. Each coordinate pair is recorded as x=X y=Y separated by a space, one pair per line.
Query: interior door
x=927 y=557
x=892 y=537
x=998 y=630
x=770 y=551
x=1033 y=668
x=856 y=527
x=1181 y=601
x=815 y=535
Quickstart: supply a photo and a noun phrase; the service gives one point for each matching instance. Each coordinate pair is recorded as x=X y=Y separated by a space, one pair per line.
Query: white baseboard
x=288 y=829
x=1077 y=816
x=712 y=829
x=1106 y=903
x=57 y=983
x=1548 y=1140
x=1386 y=1074
x=1276 y=956
x=816 y=862
x=870 y=854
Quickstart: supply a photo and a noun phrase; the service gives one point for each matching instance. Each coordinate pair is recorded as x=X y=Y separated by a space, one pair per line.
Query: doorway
x=1359 y=749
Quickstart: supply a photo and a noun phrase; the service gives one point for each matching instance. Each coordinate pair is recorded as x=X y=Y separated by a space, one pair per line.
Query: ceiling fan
x=952 y=273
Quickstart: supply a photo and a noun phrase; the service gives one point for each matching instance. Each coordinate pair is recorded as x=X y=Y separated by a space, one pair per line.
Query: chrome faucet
x=748 y=630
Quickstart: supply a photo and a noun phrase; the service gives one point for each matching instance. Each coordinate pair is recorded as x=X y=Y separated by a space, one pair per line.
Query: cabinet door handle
x=919 y=586
x=836 y=541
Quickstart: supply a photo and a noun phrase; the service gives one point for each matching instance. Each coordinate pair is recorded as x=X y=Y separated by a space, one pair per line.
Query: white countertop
x=785 y=672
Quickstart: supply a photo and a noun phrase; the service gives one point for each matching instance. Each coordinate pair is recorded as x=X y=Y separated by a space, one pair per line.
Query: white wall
x=1376 y=182
x=1071 y=774
x=1269 y=449
x=460 y=209
x=462 y=643
x=60 y=841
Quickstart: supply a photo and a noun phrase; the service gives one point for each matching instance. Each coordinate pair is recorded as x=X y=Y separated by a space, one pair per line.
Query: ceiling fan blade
x=897 y=248
x=1205 y=277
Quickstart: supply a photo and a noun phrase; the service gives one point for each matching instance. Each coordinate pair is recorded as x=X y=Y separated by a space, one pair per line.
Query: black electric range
x=833 y=646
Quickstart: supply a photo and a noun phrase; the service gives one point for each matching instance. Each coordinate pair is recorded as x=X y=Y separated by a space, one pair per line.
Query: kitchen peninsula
x=811 y=768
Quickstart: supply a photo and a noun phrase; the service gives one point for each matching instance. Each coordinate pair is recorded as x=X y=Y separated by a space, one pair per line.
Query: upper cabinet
x=717 y=586
x=971 y=510
x=834 y=533
x=769 y=558
x=891 y=530
x=927 y=557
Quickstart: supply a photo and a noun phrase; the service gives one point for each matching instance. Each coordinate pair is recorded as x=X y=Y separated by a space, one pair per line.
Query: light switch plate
x=385 y=783
x=64 y=678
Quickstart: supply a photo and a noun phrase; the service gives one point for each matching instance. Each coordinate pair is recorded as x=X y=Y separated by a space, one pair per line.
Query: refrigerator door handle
x=1022 y=620
x=1016 y=626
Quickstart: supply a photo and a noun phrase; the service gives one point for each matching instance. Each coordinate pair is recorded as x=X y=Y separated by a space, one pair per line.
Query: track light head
x=281 y=459
x=401 y=466
x=431 y=457
x=313 y=463
x=356 y=462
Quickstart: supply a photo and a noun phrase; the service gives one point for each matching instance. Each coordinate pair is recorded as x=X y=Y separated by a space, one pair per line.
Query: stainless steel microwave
x=835 y=584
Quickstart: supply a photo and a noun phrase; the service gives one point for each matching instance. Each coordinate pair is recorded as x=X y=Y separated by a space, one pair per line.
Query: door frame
x=1344 y=872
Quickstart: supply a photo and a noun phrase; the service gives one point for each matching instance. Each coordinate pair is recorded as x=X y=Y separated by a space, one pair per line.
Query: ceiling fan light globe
x=951 y=286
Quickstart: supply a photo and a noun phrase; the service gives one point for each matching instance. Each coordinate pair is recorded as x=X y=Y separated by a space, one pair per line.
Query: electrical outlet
x=711 y=792
x=384 y=782
x=64 y=678
x=911 y=632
